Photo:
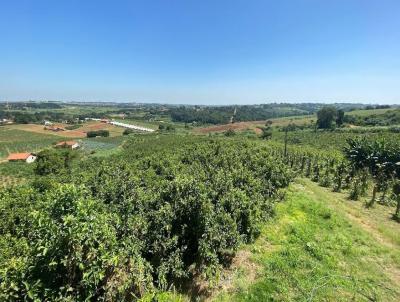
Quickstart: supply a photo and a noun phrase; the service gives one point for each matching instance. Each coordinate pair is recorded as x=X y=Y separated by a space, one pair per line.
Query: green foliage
x=118 y=228
x=73 y=127
x=333 y=141
x=326 y=117
x=103 y=133
x=128 y=131
x=51 y=161
x=380 y=158
x=229 y=132
x=167 y=127
x=340 y=118
x=376 y=117
x=311 y=252
x=223 y=114
x=396 y=193
x=14 y=140
x=266 y=132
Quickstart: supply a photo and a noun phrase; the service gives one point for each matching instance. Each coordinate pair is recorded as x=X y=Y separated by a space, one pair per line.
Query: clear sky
x=203 y=51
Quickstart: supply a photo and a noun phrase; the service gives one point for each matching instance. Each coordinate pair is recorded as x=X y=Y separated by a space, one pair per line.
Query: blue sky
x=204 y=52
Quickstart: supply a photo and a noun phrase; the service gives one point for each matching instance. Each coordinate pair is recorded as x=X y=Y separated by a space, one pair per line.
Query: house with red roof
x=68 y=144
x=21 y=157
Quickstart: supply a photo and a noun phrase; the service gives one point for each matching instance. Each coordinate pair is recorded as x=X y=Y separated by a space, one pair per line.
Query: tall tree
x=326 y=117
x=340 y=118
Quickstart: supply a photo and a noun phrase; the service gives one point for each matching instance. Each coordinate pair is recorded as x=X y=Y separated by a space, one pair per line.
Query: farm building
x=129 y=126
x=68 y=144
x=26 y=157
x=54 y=128
x=5 y=121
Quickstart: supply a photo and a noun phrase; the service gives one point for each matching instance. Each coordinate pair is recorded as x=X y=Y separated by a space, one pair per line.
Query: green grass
x=327 y=140
x=364 y=112
x=102 y=146
x=14 y=173
x=13 y=140
x=313 y=252
x=297 y=120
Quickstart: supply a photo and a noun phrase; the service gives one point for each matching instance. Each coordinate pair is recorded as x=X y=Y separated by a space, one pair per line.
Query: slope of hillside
x=320 y=247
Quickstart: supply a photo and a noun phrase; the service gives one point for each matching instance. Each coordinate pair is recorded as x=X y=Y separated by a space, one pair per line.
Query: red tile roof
x=19 y=156
x=68 y=143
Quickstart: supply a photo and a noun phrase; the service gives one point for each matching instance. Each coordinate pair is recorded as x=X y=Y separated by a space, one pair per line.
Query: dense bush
x=103 y=133
x=73 y=127
x=128 y=131
x=51 y=161
x=387 y=118
x=120 y=227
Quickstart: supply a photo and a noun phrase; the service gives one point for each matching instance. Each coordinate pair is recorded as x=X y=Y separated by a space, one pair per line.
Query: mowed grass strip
x=311 y=251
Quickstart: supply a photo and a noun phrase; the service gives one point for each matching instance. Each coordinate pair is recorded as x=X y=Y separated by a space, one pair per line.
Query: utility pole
x=286 y=131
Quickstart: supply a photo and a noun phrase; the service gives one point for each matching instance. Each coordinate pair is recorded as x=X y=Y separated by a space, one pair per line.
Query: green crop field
x=370 y=112
x=12 y=140
x=329 y=140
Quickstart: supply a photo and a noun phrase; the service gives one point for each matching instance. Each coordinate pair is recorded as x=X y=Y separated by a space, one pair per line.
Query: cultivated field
x=16 y=140
x=254 y=125
x=370 y=112
x=77 y=133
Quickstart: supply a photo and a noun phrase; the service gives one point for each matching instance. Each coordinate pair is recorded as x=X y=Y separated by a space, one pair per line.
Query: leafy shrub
x=103 y=133
x=229 y=132
x=117 y=228
x=128 y=131
x=73 y=127
x=51 y=161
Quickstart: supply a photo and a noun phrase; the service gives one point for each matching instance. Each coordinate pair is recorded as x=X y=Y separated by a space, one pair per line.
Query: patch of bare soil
x=40 y=129
x=240 y=126
x=242 y=264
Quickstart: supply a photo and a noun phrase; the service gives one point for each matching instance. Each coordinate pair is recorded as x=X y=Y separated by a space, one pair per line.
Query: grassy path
x=320 y=247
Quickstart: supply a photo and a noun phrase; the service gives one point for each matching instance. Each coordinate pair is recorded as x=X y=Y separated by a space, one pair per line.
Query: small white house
x=22 y=157
x=5 y=121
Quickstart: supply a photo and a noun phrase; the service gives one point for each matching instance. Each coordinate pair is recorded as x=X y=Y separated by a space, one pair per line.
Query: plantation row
x=363 y=164
x=129 y=225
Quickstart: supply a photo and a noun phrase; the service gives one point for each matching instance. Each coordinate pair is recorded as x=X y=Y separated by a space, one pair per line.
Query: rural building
x=26 y=157
x=54 y=128
x=68 y=144
x=129 y=126
x=5 y=121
